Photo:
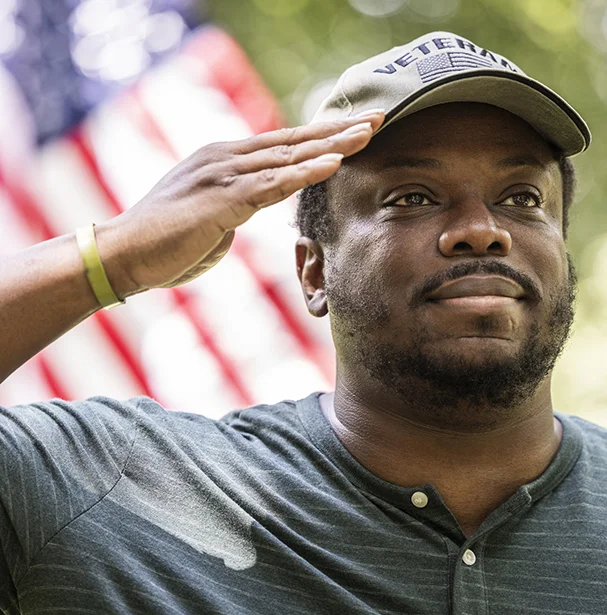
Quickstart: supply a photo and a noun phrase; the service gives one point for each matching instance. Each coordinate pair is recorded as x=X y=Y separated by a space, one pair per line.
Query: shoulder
x=590 y=447
x=241 y=430
x=65 y=420
x=70 y=442
x=263 y=416
x=594 y=436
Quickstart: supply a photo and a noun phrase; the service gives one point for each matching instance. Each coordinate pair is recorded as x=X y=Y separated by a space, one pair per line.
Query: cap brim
x=556 y=120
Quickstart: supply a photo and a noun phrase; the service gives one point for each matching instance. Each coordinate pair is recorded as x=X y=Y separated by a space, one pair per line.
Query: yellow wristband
x=93 y=267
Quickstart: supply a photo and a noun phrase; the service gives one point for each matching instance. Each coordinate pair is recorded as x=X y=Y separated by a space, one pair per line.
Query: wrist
x=116 y=252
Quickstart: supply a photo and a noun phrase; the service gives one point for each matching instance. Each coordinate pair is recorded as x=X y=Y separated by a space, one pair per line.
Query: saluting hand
x=186 y=223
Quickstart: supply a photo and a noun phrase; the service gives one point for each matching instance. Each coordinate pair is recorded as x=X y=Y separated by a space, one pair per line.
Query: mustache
x=461 y=270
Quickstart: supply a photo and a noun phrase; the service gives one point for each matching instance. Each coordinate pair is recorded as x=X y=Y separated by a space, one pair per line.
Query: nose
x=472 y=230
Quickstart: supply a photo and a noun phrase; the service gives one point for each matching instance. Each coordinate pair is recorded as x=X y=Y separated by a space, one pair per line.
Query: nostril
x=475 y=239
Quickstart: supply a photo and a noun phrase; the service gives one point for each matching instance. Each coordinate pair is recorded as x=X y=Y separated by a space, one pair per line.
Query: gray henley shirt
x=111 y=507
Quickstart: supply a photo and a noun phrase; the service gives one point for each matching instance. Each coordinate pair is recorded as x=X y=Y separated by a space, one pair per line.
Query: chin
x=466 y=372
x=475 y=349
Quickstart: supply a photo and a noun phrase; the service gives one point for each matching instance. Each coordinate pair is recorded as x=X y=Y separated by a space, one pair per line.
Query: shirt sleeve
x=57 y=460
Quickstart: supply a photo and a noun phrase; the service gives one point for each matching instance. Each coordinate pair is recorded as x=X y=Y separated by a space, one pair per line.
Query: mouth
x=478 y=291
x=477 y=304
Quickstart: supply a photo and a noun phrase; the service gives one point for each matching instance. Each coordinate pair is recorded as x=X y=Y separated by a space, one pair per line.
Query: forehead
x=456 y=128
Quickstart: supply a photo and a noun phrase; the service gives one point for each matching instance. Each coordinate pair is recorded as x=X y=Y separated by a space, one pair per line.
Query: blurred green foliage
x=297 y=44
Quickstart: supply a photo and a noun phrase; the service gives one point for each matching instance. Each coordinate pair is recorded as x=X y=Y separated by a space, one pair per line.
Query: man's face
x=456 y=190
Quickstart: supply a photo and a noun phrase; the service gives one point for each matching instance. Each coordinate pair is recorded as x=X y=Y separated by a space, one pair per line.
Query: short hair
x=315 y=220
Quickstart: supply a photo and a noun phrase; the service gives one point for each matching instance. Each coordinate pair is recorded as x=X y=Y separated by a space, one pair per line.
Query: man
x=436 y=478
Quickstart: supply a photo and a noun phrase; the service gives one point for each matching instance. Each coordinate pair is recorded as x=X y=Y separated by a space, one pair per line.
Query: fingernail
x=326 y=159
x=370 y=112
x=357 y=128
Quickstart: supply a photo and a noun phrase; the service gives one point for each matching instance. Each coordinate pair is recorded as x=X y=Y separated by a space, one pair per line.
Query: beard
x=447 y=389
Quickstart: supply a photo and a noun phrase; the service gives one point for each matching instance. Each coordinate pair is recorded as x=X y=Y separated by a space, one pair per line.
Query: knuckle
x=204 y=176
x=244 y=146
x=278 y=193
x=288 y=134
x=284 y=153
x=252 y=203
x=282 y=193
x=227 y=181
x=333 y=139
x=268 y=176
x=223 y=180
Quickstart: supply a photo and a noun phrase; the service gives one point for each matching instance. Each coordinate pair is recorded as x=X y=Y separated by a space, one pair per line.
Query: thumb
x=219 y=251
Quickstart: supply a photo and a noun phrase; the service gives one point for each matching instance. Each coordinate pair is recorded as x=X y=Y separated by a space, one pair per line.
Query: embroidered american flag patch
x=436 y=66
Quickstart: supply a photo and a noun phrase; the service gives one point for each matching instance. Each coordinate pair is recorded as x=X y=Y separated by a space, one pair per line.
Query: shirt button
x=419 y=499
x=469 y=557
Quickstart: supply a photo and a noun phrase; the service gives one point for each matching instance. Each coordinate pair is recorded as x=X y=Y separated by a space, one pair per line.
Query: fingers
x=268 y=176
x=286 y=146
x=274 y=185
x=272 y=166
x=270 y=186
x=301 y=134
x=347 y=142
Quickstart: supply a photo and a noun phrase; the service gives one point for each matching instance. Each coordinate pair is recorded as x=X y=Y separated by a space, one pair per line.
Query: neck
x=397 y=444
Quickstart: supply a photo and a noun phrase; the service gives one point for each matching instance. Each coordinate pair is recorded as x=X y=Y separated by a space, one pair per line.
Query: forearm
x=44 y=293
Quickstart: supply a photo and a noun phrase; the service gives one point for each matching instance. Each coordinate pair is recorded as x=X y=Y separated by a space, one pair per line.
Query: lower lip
x=478 y=302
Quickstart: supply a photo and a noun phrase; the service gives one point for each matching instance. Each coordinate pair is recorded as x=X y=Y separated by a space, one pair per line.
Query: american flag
x=442 y=64
x=99 y=99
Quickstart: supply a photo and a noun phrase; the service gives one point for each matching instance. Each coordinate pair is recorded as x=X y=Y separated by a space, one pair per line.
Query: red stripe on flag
x=147 y=125
x=27 y=208
x=82 y=145
x=126 y=352
x=227 y=367
x=307 y=344
x=231 y=72
x=51 y=378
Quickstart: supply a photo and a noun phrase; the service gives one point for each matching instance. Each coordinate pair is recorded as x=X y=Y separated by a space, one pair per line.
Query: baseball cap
x=442 y=67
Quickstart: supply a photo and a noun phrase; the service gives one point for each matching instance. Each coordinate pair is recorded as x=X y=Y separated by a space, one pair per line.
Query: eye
x=413 y=199
x=523 y=199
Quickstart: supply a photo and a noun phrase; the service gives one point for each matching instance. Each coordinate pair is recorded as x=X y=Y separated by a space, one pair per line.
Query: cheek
x=369 y=260
x=390 y=257
x=356 y=275
x=376 y=273
x=546 y=255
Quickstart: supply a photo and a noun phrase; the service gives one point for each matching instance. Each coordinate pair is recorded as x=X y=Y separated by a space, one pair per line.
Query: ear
x=309 y=257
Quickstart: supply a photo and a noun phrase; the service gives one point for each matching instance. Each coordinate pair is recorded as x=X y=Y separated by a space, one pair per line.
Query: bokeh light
x=428 y=11
x=115 y=40
x=377 y=8
x=11 y=33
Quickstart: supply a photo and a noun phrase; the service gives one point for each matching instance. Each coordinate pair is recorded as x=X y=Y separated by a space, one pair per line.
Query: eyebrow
x=413 y=163
x=520 y=161
x=511 y=162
